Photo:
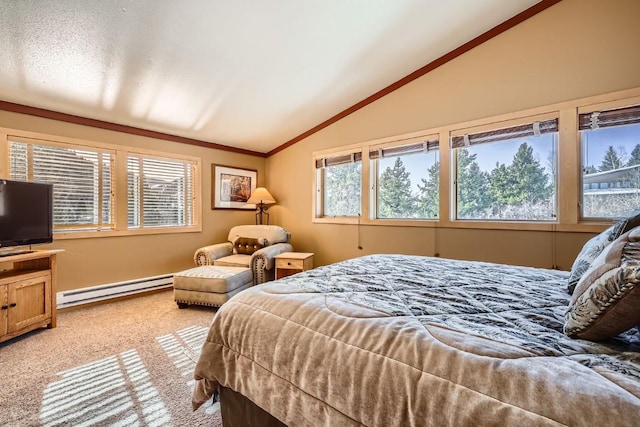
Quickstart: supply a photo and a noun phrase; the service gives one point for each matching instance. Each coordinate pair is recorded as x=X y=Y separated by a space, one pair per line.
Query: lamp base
x=260 y=211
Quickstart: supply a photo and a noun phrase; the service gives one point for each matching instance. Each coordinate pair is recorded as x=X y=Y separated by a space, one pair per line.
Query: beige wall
x=96 y=261
x=575 y=49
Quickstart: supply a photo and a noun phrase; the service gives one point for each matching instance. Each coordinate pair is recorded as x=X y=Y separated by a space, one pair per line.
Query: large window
x=81 y=178
x=407 y=180
x=340 y=180
x=508 y=173
x=610 y=142
x=161 y=191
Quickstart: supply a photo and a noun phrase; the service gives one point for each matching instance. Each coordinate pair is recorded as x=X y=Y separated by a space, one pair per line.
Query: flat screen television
x=26 y=213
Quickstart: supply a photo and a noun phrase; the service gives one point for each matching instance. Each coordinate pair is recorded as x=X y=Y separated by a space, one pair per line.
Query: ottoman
x=209 y=284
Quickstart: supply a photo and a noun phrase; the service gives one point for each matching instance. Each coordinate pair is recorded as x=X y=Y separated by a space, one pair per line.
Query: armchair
x=250 y=246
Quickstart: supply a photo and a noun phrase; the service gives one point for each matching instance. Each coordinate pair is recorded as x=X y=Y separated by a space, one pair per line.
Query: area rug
x=123 y=363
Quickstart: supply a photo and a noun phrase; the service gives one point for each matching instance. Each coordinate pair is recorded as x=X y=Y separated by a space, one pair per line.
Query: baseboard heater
x=113 y=290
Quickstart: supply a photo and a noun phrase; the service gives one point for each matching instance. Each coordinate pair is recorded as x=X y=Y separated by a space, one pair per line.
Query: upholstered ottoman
x=209 y=284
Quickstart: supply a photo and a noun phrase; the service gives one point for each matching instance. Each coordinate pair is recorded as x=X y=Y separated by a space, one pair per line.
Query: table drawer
x=290 y=263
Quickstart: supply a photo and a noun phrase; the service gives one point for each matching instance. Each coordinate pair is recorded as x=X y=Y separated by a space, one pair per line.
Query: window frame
x=568 y=174
x=319 y=181
x=99 y=226
x=589 y=109
x=374 y=171
x=119 y=179
x=497 y=126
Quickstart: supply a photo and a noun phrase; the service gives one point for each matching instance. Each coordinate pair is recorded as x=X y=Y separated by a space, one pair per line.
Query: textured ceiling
x=251 y=74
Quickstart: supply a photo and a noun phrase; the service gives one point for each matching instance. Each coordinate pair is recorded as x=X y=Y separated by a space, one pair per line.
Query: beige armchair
x=250 y=246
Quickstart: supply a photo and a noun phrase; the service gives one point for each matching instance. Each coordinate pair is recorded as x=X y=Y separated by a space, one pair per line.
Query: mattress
x=386 y=340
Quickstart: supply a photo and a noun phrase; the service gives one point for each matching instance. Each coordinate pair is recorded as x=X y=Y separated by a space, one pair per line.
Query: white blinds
x=81 y=178
x=160 y=192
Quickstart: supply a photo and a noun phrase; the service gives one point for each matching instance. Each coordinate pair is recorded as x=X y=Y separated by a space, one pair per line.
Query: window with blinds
x=406 y=180
x=82 y=179
x=160 y=192
x=339 y=182
x=507 y=173
x=610 y=153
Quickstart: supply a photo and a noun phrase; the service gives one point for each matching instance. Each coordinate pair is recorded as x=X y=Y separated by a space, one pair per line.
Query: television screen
x=26 y=213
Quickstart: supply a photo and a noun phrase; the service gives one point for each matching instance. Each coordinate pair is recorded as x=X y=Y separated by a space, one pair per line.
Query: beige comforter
x=414 y=341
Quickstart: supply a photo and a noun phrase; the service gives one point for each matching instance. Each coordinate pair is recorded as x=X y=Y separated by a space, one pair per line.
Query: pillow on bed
x=588 y=254
x=606 y=300
x=248 y=245
x=595 y=246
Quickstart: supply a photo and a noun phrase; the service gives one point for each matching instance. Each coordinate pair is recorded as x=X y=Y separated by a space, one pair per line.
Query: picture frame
x=231 y=187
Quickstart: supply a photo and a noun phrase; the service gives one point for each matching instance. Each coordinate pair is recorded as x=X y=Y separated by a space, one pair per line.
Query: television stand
x=15 y=252
x=27 y=292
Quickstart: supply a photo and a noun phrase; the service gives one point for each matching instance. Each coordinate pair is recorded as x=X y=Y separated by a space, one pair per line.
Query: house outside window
x=610 y=152
x=507 y=173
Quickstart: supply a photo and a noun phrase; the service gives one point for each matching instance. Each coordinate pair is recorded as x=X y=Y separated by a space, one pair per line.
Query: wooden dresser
x=27 y=292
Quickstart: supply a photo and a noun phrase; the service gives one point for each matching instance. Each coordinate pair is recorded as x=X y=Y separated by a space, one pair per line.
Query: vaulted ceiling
x=250 y=74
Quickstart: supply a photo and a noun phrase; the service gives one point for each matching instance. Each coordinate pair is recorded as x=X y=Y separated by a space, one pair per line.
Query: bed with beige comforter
x=393 y=340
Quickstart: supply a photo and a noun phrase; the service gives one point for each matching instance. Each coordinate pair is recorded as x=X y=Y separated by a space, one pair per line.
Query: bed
x=396 y=340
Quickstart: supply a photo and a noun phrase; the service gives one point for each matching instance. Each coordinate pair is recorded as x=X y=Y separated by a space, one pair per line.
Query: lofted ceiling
x=250 y=74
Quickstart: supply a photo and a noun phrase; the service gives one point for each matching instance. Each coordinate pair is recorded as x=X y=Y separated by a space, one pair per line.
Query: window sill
x=583 y=227
x=69 y=235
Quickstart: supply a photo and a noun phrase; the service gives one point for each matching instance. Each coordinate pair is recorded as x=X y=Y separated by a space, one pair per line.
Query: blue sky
x=596 y=143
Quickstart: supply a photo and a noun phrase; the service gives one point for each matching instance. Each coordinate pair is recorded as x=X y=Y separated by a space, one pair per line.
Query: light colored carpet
x=126 y=363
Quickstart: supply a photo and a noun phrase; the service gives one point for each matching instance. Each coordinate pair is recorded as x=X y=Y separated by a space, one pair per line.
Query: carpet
x=124 y=363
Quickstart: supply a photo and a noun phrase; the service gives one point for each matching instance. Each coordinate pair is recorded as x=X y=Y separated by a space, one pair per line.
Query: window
x=339 y=184
x=507 y=174
x=407 y=180
x=81 y=178
x=160 y=192
x=610 y=144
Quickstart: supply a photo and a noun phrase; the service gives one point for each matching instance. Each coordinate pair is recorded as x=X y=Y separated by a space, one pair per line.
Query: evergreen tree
x=611 y=160
x=524 y=180
x=429 y=193
x=395 y=199
x=634 y=159
x=532 y=181
x=473 y=186
x=502 y=185
x=343 y=188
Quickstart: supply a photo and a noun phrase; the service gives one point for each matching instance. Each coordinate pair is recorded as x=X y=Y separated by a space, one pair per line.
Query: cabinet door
x=4 y=310
x=29 y=302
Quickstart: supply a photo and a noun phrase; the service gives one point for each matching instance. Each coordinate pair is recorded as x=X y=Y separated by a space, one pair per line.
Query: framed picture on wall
x=231 y=187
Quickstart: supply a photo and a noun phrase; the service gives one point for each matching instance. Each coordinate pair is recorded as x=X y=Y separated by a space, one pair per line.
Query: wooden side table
x=289 y=263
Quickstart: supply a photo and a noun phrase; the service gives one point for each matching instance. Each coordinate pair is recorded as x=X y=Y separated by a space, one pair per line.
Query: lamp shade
x=261 y=195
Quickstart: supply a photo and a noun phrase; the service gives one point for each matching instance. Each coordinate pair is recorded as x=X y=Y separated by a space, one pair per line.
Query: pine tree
x=532 y=181
x=524 y=180
x=343 y=188
x=395 y=199
x=634 y=159
x=611 y=160
x=473 y=186
x=429 y=193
